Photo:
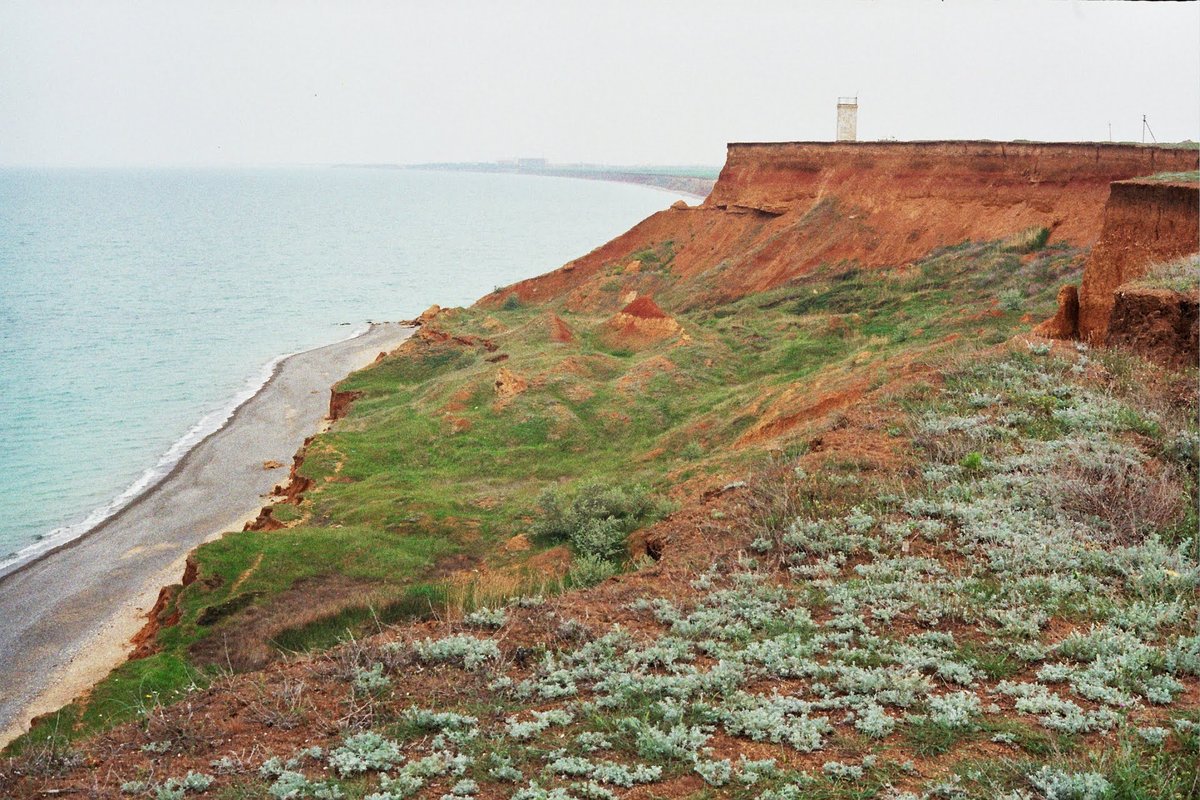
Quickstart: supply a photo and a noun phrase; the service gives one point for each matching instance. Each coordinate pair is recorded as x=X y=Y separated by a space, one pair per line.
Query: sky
x=209 y=82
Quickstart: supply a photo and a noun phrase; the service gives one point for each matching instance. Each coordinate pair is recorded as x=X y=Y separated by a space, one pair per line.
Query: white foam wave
x=209 y=424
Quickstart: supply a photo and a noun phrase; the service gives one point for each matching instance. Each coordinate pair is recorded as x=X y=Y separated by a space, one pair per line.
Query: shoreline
x=54 y=645
x=133 y=494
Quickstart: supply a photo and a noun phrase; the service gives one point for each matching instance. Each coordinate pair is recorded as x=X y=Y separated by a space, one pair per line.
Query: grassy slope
x=399 y=491
x=992 y=529
x=1012 y=614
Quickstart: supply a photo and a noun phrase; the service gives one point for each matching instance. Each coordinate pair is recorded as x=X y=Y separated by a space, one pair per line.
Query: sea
x=139 y=307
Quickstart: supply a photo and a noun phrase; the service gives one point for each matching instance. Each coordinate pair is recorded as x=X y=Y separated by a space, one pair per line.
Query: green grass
x=129 y=693
x=1134 y=769
x=421 y=601
x=1179 y=275
x=400 y=488
x=1174 y=177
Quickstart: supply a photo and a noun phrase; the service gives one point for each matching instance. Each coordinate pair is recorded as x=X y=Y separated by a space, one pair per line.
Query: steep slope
x=1158 y=314
x=1145 y=222
x=778 y=210
x=913 y=553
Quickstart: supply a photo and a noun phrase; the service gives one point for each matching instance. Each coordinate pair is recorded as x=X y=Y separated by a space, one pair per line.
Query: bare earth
x=66 y=620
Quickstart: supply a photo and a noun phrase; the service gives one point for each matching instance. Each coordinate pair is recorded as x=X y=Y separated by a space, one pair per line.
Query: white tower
x=847 y=120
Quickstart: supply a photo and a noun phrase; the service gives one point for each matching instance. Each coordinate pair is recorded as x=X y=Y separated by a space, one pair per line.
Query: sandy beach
x=66 y=619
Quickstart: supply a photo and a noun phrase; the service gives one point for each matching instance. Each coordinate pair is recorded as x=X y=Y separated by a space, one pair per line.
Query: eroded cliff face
x=779 y=210
x=1145 y=222
x=1160 y=324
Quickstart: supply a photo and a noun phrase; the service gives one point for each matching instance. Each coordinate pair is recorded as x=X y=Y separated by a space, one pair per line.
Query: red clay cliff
x=779 y=210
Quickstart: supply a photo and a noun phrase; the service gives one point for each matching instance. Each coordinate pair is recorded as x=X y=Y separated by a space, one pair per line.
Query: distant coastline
x=694 y=180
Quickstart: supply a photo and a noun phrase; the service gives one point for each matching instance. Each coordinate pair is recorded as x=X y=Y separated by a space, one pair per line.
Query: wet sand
x=66 y=619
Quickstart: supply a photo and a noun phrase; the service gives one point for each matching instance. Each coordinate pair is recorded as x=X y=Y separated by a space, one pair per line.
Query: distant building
x=531 y=163
x=847 y=119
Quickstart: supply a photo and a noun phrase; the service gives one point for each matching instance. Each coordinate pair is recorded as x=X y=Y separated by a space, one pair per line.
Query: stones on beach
x=272 y=464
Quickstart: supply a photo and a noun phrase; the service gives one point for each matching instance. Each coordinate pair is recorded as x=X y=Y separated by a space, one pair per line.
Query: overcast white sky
x=211 y=82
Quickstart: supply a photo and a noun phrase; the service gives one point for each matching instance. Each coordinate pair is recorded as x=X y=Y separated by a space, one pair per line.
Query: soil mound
x=560 y=331
x=1065 y=322
x=644 y=308
x=508 y=385
x=640 y=323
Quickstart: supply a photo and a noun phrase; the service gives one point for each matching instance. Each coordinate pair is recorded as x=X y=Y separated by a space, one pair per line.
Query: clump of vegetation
x=1174 y=177
x=1179 y=275
x=655 y=258
x=362 y=752
x=1028 y=241
x=486 y=618
x=589 y=570
x=597 y=518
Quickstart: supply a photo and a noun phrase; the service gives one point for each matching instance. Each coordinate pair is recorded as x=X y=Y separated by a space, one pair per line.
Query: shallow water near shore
x=138 y=307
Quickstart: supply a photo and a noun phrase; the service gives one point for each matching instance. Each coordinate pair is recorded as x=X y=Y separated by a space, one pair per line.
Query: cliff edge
x=778 y=210
x=1145 y=222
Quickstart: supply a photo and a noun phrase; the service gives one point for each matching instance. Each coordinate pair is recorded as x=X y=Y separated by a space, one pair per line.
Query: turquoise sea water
x=138 y=306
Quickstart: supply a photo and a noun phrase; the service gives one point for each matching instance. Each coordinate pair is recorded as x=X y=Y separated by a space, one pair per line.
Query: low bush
x=589 y=570
x=597 y=518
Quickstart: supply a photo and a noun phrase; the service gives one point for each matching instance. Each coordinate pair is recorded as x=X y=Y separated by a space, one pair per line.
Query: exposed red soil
x=340 y=402
x=507 y=385
x=428 y=314
x=639 y=323
x=297 y=484
x=431 y=335
x=145 y=641
x=560 y=331
x=793 y=409
x=644 y=308
x=1065 y=322
x=1159 y=324
x=1145 y=222
x=779 y=210
x=264 y=521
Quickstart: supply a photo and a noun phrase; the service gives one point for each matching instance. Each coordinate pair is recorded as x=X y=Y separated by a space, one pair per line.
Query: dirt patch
x=644 y=308
x=1159 y=324
x=508 y=385
x=640 y=323
x=243 y=640
x=794 y=408
x=560 y=331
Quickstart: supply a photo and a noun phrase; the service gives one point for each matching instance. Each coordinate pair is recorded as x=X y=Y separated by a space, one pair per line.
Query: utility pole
x=1110 y=131
x=1146 y=127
